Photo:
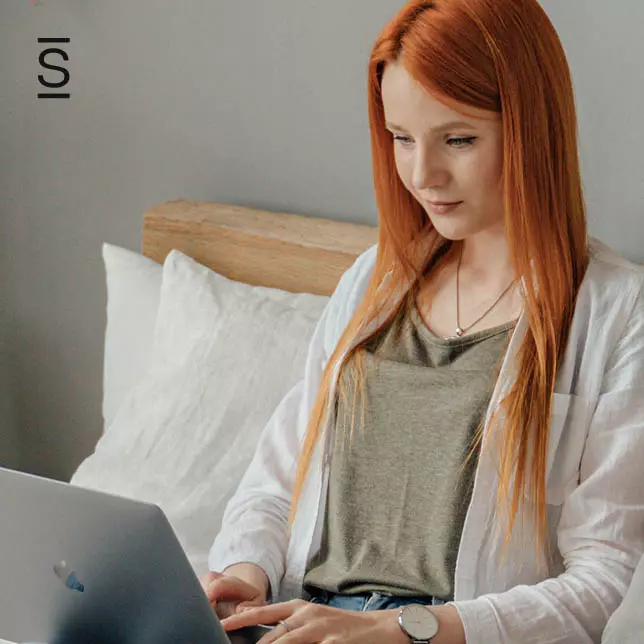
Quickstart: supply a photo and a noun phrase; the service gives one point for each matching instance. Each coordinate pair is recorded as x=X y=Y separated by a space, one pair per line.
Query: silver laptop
x=79 y=566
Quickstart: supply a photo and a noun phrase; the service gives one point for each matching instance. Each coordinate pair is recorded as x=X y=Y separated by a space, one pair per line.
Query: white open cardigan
x=595 y=483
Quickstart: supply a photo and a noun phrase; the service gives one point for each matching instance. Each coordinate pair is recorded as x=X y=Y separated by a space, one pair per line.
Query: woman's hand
x=308 y=623
x=228 y=593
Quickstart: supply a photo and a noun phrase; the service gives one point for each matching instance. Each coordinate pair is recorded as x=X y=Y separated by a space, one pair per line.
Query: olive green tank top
x=398 y=488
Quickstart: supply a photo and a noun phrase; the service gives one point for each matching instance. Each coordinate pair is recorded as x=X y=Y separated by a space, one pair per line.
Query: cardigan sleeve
x=626 y=625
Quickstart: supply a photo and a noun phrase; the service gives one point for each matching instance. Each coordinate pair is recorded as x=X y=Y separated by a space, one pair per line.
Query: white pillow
x=133 y=291
x=225 y=354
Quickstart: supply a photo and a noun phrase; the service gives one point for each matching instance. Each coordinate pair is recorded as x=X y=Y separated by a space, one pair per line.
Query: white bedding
x=223 y=356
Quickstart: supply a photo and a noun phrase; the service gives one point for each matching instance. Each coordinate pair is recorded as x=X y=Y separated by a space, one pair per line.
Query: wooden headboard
x=292 y=252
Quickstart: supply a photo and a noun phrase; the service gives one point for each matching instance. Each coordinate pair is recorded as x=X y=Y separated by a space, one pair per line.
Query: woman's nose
x=429 y=174
x=429 y=177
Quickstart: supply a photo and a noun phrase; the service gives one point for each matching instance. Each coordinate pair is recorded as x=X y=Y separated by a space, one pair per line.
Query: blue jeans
x=370 y=600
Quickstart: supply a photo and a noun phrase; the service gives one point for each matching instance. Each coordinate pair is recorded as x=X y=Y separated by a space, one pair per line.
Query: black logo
x=43 y=63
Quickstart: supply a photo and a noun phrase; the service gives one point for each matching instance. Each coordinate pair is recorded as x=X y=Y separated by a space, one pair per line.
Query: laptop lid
x=80 y=566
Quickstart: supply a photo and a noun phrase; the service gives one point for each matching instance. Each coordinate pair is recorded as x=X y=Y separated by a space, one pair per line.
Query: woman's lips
x=443 y=209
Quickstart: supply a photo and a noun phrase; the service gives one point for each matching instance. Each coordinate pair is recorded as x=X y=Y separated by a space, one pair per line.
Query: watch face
x=419 y=622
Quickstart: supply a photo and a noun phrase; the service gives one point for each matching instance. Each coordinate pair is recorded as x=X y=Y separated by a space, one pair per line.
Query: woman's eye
x=402 y=139
x=455 y=142
x=462 y=141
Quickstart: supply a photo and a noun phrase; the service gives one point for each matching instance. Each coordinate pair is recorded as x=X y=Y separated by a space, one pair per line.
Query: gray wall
x=256 y=103
x=10 y=449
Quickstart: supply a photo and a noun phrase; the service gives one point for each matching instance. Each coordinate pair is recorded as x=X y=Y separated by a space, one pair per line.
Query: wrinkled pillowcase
x=224 y=355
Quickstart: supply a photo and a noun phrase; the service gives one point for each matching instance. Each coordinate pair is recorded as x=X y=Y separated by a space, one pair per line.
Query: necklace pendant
x=459 y=332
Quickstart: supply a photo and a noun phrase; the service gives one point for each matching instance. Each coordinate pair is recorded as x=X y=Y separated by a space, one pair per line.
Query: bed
x=207 y=331
x=292 y=252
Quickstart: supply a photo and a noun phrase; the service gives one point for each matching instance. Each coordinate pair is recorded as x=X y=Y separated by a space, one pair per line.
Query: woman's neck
x=485 y=261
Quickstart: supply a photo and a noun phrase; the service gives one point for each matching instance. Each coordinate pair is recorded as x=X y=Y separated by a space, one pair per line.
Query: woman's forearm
x=451 y=629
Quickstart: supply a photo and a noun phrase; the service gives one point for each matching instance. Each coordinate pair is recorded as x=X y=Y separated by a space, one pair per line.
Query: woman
x=463 y=451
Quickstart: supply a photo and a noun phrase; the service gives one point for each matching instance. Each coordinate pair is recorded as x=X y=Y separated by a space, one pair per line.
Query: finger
x=253 y=603
x=297 y=634
x=208 y=578
x=270 y=614
x=224 y=609
x=272 y=636
x=224 y=588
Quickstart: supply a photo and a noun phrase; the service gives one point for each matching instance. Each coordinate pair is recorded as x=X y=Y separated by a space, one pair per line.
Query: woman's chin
x=452 y=230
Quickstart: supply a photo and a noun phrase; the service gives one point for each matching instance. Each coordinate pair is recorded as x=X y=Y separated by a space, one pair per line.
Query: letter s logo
x=43 y=63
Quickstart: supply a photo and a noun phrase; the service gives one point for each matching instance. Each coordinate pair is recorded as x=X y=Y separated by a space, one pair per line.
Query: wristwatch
x=418 y=622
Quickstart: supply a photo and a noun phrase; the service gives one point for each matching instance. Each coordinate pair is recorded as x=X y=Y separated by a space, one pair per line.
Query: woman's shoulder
x=354 y=281
x=348 y=294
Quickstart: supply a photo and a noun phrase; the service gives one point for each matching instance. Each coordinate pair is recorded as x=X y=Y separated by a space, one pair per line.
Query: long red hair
x=504 y=57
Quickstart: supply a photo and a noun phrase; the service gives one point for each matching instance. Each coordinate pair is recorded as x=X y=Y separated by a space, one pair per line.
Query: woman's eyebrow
x=446 y=126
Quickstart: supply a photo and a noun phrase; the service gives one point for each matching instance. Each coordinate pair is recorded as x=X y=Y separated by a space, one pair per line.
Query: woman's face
x=438 y=160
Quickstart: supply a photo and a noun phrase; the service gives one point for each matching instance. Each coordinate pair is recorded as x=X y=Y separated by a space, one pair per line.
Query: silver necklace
x=460 y=330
